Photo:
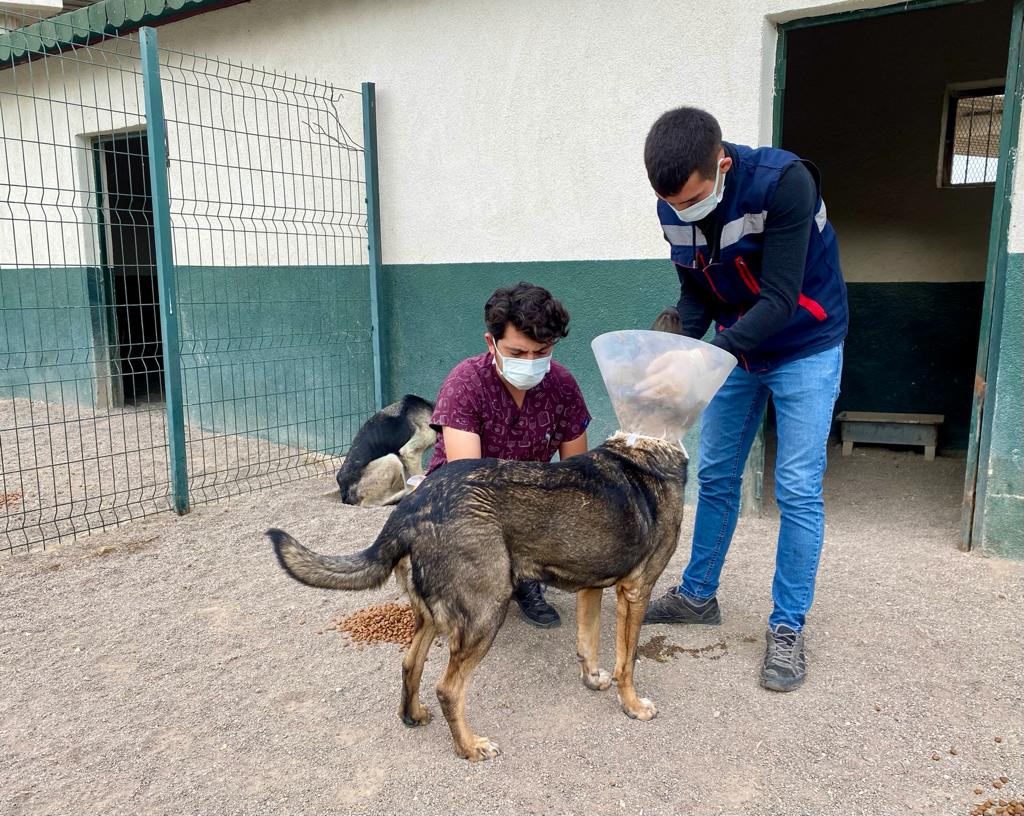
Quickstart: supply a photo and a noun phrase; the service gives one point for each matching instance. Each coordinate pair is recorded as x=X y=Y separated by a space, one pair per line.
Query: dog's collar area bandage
x=631 y=440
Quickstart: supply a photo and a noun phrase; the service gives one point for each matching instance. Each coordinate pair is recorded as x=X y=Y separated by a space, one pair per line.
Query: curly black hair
x=531 y=309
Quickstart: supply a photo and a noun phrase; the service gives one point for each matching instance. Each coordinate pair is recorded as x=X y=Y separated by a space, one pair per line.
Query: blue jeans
x=804 y=393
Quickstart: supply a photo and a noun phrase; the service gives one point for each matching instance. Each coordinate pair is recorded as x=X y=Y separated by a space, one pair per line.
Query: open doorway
x=901 y=112
x=128 y=255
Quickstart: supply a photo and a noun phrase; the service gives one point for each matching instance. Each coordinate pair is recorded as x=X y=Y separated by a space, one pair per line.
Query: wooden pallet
x=890 y=429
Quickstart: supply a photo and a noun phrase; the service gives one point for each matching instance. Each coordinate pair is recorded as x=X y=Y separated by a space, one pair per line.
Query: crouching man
x=514 y=402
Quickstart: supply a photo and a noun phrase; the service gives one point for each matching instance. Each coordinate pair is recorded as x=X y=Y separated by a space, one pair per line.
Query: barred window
x=971 y=145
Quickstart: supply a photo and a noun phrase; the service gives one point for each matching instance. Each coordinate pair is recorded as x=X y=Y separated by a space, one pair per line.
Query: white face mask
x=706 y=206
x=522 y=374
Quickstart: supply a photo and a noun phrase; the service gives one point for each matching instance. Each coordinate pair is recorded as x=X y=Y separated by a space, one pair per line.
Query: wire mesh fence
x=269 y=231
x=267 y=224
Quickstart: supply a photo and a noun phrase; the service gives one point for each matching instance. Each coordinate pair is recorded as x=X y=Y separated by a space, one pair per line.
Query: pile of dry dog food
x=10 y=499
x=382 y=623
x=998 y=807
x=994 y=806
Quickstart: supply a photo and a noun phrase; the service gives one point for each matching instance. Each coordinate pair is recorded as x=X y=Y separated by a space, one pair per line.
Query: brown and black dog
x=474 y=528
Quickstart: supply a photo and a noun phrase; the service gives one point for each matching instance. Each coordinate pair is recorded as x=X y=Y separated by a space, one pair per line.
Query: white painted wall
x=508 y=131
x=1016 y=236
x=264 y=170
x=48 y=113
x=514 y=131
x=258 y=173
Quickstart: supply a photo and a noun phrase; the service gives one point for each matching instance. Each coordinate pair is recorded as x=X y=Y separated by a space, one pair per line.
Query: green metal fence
x=187 y=281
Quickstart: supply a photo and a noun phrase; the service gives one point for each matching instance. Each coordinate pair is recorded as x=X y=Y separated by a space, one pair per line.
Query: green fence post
x=373 y=234
x=156 y=135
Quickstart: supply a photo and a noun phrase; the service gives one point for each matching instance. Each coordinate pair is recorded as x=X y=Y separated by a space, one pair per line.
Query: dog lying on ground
x=386 y=451
x=475 y=527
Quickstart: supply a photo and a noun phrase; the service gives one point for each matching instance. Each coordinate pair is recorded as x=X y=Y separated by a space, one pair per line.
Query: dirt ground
x=170 y=667
x=67 y=469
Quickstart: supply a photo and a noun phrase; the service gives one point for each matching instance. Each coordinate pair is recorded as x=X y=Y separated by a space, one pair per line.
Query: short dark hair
x=531 y=309
x=681 y=141
x=668 y=321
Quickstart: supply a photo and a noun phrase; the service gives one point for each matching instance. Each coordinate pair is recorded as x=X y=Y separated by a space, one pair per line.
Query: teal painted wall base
x=285 y=354
x=48 y=333
x=278 y=353
x=433 y=316
x=912 y=348
x=1000 y=526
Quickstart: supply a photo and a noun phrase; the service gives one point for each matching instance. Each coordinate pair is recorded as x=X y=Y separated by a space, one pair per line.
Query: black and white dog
x=386 y=451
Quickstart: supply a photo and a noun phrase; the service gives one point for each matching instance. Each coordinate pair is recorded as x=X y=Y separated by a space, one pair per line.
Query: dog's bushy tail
x=363 y=570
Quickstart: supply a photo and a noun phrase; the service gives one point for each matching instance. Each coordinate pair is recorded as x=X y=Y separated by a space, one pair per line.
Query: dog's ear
x=668 y=321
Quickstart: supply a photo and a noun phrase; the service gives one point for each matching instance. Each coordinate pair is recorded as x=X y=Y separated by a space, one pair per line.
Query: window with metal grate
x=973 y=118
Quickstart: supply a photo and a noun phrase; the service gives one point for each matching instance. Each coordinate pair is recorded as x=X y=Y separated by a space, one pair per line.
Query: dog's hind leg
x=632 y=603
x=588 y=639
x=382 y=482
x=411 y=710
x=468 y=647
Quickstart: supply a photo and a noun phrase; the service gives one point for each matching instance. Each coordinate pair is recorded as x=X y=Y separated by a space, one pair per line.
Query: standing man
x=754 y=253
x=514 y=402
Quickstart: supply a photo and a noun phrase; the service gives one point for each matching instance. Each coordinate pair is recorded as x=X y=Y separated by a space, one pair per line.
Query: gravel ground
x=169 y=666
x=67 y=469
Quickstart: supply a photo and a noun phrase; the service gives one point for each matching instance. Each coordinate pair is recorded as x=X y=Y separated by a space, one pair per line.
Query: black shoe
x=785 y=665
x=674 y=607
x=535 y=609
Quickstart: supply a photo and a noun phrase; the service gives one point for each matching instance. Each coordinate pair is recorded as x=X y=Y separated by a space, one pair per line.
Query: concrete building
x=510 y=147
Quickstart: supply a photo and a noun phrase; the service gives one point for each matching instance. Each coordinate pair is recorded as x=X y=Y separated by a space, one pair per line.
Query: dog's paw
x=650 y=710
x=644 y=709
x=415 y=717
x=480 y=749
x=596 y=681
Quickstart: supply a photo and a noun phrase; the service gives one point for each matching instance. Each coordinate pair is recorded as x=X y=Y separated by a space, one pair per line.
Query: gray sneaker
x=674 y=607
x=785 y=665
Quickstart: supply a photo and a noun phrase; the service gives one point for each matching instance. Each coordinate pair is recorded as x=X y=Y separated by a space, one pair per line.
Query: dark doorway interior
x=901 y=113
x=131 y=268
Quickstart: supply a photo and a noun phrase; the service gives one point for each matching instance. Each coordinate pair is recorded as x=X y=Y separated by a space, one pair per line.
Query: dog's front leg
x=632 y=603
x=588 y=639
x=411 y=453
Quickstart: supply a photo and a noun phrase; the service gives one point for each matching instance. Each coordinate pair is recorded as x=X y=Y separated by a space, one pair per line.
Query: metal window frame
x=955 y=91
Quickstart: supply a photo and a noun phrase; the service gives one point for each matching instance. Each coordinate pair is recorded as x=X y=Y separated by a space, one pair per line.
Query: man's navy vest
x=731 y=284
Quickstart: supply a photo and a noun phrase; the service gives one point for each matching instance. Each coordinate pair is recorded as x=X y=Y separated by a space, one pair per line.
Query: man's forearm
x=694 y=315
